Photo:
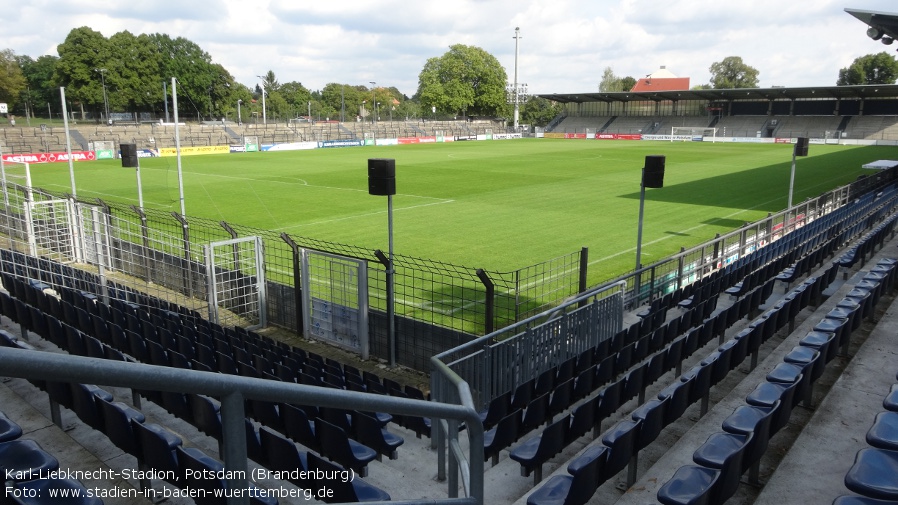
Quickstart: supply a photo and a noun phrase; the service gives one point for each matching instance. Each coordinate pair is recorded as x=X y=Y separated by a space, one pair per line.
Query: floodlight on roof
x=887 y=40
x=874 y=33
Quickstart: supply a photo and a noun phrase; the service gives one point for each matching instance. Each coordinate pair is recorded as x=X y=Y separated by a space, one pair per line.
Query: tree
x=41 y=90
x=81 y=55
x=539 y=111
x=12 y=82
x=732 y=73
x=880 y=68
x=612 y=83
x=465 y=80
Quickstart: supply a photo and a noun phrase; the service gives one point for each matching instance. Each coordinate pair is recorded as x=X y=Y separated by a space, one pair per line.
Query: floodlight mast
x=517 y=101
x=264 y=114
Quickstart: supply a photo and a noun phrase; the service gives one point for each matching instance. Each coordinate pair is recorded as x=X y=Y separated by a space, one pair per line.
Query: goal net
x=104 y=149
x=690 y=133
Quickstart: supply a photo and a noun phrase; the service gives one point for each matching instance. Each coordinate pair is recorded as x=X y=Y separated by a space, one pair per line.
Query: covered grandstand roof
x=823 y=92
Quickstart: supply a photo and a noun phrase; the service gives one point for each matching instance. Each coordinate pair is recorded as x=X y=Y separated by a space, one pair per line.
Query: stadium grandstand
x=841 y=113
x=756 y=368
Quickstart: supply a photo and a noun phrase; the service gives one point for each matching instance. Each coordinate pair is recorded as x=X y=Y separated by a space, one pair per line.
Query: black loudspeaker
x=801 y=146
x=129 y=155
x=381 y=176
x=653 y=173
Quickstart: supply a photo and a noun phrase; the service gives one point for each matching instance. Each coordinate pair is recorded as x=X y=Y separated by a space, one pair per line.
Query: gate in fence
x=235 y=272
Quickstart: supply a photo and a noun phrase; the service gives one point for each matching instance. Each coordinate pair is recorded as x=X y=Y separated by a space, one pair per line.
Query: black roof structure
x=724 y=95
x=883 y=25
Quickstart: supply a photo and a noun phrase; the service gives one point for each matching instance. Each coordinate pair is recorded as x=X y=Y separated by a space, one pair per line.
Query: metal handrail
x=234 y=389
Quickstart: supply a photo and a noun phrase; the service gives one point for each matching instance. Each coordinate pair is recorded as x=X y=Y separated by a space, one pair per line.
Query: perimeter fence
x=438 y=305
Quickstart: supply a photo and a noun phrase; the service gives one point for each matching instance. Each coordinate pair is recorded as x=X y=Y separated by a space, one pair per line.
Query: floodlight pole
x=517 y=102
x=68 y=140
x=639 y=228
x=791 y=182
x=264 y=113
x=174 y=95
x=239 y=119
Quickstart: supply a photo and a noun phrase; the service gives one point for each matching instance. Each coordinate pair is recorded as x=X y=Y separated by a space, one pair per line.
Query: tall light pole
x=517 y=104
x=102 y=72
x=239 y=119
x=374 y=101
x=264 y=114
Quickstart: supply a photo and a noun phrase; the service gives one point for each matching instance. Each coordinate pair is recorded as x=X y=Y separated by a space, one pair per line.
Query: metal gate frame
x=259 y=286
x=323 y=312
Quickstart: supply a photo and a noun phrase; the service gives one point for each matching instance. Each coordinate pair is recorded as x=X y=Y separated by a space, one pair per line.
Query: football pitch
x=499 y=205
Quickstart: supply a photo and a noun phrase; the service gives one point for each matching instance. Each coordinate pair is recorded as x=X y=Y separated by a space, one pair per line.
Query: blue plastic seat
x=501 y=436
x=536 y=414
x=8 y=429
x=754 y=421
x=576 y=488
x=282 y=455
x=537 y=450
x=690 y=485
x=371 y=433
x=205 y=415
x=298 y=427
x=117 y=418
x=22 y=460
x=498 y=408
x=767 y=394
x=677 y=396
x=157 y=449
x=337 y=446
x=861 y=500
x=873 y=474
x=561 y=398
x=620 y=439
x=582 y=421
x=723 y=451
x=884 y=432
x=343 y=490
x=890 y=402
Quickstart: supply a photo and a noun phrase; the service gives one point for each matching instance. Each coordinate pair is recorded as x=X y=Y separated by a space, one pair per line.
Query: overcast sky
x=565 y=45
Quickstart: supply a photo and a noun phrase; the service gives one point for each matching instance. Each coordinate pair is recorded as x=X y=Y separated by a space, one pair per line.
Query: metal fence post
x=584 y=266
x=233 y=432
x=297 y=280
x=185 y=237
x=490 y=301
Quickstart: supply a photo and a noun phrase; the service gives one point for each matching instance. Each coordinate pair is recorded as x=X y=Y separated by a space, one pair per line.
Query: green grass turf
x=498 y=205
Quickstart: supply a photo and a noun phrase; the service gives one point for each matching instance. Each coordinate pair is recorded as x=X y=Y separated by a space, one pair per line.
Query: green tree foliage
x=41 y=90
x=732 y=73
x=12 y=82
x=465 y=80
x=880 y=68
x=612 y=83
x=81 y=55
x=539 y=111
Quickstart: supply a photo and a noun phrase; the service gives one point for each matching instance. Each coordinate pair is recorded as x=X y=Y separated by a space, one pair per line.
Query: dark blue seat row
x=726 y=456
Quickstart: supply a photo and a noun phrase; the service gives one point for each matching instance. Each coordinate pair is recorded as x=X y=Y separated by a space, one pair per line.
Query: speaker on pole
x=653 y=173
x=801 y=146
x=381 y=176
x=129 y=155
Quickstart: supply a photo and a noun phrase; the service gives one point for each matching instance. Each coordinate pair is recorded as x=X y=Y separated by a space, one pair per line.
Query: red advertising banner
x=782 y=141
x=575 y=135
x=416 y=140
x=49 y=157
x=619 y=136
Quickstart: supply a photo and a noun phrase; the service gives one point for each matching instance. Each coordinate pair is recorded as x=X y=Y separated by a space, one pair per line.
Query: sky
x=564 y=45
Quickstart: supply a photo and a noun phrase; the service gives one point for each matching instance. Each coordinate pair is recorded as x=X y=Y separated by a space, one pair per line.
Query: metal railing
x=233 y=390
x=494 y=364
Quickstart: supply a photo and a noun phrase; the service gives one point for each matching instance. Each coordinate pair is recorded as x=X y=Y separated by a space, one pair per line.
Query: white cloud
x=564 y=48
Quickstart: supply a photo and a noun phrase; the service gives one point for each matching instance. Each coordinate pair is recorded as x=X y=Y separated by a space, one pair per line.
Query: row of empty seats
x=726 y=455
